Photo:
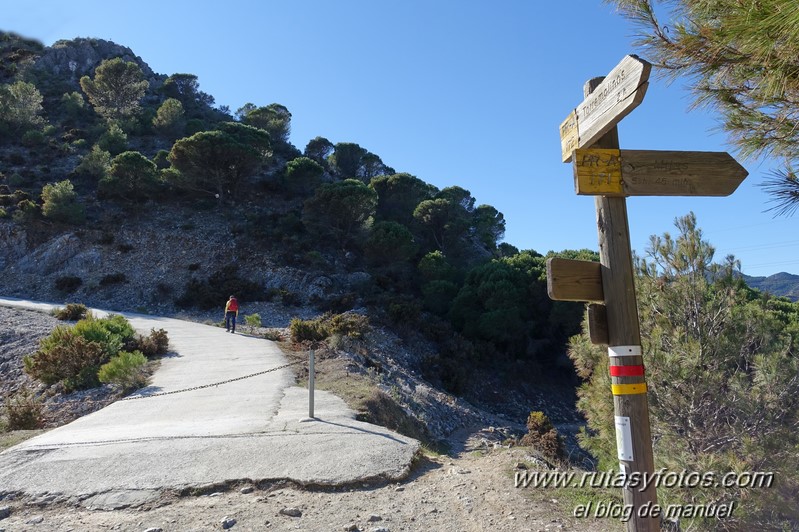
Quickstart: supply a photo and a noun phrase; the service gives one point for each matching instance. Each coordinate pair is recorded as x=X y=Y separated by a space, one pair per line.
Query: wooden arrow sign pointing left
x=602 y=172
x=622 y=90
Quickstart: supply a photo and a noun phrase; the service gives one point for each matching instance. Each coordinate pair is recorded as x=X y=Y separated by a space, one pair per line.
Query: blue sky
x=456 y=92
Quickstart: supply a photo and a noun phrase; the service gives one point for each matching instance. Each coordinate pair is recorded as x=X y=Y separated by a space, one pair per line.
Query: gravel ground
x=473 y=491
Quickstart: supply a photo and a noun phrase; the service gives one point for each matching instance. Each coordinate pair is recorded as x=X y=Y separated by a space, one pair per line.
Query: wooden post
x=631 y=409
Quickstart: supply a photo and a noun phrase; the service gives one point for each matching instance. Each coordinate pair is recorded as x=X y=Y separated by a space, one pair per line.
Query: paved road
x=253 y=428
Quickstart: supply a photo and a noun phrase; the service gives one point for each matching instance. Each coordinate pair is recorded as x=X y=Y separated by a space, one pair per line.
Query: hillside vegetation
x=125 y=188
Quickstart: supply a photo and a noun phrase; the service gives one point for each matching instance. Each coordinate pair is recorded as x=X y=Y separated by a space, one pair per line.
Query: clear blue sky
x=456 y=92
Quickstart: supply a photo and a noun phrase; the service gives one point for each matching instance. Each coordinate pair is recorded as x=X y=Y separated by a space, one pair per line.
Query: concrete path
x=252 y=428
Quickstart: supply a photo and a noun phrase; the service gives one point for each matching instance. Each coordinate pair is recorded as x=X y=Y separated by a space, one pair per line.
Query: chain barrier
x=159 y=394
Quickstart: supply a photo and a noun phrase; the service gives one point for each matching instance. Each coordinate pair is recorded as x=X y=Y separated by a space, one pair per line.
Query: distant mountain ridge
x=780 y=284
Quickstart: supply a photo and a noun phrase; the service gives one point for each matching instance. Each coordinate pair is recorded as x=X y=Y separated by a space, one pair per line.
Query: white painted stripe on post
x=624 y=350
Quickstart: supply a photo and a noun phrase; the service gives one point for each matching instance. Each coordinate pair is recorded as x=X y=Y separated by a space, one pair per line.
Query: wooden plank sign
x=622 y=90
x=574 y=280
x=603 y=172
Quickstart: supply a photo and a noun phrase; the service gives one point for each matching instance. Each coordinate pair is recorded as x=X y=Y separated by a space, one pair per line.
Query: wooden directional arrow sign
x=602 y=172
x=622 y=90
x=574 y=280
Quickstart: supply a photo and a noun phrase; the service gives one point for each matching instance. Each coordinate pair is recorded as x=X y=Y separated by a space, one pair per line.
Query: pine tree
x=740 y=58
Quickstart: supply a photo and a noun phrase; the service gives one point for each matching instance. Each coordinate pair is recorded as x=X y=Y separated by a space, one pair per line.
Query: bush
x=60 y=203
x=114 y=141
x=66 y=357
x=125 y=370
x=405 y=311
x=67 y=283
x=27 y=211
x=318 y=329
x=72 y=312
x=132 y=176
x=95 y=164
x=156 y=344
x=352 y=325
x=389 y=243
x=543 y=436
x=32 y=138
x=73 y=355
x=253 y=321
x=112 y=333
x=161 y=159
x=308 y=330
x=24 y=412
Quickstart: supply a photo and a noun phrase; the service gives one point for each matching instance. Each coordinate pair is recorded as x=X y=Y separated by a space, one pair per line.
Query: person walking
x=231 y=313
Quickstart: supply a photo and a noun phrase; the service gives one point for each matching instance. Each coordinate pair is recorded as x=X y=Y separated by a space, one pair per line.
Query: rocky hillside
x=780 y=284
x=128 y=190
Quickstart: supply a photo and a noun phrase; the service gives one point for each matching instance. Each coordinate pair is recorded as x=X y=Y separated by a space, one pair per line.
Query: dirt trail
x=473 y=491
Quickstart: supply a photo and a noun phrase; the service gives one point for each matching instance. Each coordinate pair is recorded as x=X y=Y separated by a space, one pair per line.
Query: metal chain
x=98 y=442
x=133 y=397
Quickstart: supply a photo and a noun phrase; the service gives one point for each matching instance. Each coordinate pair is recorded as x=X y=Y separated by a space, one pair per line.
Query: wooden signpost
x=623 y=90
x=589 y=139
x=655 y=173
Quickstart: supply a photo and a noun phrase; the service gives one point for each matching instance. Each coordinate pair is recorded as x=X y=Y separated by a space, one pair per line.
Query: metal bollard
x=310 y=384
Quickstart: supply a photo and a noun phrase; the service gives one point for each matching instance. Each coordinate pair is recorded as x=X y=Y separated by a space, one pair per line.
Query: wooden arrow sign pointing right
x=601 y=172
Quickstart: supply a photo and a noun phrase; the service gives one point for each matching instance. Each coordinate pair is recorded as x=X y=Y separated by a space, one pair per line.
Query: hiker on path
x=231 y=313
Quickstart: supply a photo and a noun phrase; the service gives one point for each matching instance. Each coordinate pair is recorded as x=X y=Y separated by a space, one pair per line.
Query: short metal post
x=310 y=384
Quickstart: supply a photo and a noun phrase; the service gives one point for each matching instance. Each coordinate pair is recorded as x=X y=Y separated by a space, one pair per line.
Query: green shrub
x=114 y=140
x=24 y=412
x=21 y=195
x=161 y=159
x=66 y=357
x=94 y=164
x=308 y=330
x=125 y=370
x=73 y=104
x=73 y=355
x=27 y=211
x=72 y=312
x=112 y=333
x=389 y=243
x=156 y=344
x=352 y=325
x=405 y=311
x=3 y=213
x=253 y=321
x=67 y=283
x=131 y=176
x=33 y=137
x=61 y=202
x=438 y=295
